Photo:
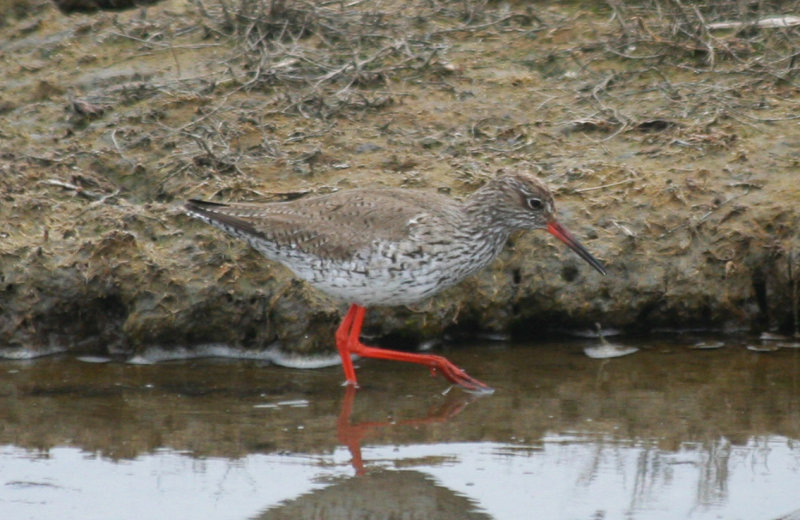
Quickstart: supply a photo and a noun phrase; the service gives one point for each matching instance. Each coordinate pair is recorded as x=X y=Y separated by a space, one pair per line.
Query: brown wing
x=337 y=225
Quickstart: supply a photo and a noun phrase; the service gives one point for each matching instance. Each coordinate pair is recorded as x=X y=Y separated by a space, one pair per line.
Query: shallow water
x=672 y=431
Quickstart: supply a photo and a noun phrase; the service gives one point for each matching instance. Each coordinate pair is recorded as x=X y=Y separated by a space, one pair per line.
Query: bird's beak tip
x=565 y=236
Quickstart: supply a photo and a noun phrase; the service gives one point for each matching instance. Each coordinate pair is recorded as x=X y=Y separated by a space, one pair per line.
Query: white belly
x=386 y=274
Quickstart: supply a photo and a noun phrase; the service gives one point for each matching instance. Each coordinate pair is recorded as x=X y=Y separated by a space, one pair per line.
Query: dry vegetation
x=668 y=129
x=694 y=64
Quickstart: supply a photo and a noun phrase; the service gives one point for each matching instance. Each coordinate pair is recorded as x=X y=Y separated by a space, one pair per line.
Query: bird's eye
x=535 y=203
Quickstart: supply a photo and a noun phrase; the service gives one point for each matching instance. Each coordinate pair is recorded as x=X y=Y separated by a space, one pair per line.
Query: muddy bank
x=677 y=168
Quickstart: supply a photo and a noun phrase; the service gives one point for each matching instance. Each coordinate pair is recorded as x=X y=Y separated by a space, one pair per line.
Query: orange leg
x=342 y=338
x=347 y=341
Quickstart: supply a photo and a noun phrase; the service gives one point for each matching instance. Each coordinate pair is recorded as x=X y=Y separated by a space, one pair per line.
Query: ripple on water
x=273 y=354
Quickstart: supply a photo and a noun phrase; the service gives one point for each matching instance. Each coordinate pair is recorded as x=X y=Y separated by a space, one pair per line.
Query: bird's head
x=522 y=201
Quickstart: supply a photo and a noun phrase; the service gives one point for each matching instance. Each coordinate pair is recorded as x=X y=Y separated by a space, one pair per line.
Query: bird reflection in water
x=351 y=435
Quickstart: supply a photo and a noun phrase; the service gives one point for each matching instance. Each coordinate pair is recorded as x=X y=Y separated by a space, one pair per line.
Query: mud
x=680 y=176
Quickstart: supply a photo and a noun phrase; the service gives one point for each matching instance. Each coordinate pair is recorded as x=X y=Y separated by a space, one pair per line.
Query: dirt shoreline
x=682 y=178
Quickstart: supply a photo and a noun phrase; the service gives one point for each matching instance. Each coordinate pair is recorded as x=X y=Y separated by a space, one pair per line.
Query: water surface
x=668 y=432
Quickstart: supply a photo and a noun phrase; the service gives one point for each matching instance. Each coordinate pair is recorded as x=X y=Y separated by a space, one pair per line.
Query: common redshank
x=391 y=247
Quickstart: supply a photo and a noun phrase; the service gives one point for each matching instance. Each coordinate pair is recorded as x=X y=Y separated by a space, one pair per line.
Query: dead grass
x=336 y=57
x=731 y=35
x=700 y=62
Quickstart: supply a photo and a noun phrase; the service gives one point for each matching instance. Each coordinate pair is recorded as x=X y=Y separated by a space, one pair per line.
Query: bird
x=392 y=246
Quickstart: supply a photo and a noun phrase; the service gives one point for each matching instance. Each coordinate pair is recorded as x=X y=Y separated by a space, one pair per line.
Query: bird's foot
x=457 y=376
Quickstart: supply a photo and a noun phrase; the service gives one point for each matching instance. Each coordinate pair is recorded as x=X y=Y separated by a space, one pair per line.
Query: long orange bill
x=565 y=236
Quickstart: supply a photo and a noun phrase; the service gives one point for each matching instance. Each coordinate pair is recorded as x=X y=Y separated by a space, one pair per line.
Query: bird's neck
x=483 y=218
x=482 y=209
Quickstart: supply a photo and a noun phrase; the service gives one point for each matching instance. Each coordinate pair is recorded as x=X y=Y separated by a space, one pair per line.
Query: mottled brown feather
x=334 y=226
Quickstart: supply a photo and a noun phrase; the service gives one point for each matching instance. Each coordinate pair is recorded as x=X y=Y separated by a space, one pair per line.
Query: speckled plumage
x=384 y=246
x=391 y=246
